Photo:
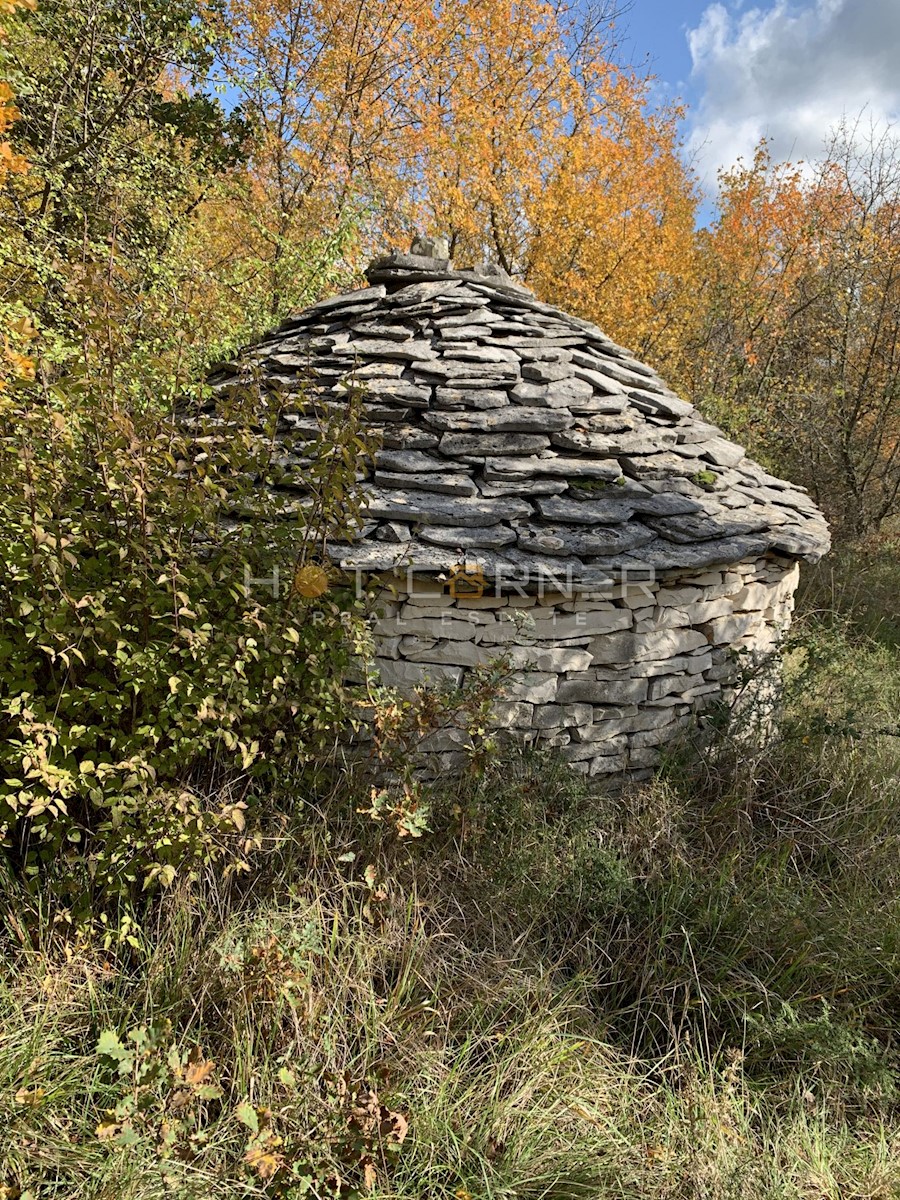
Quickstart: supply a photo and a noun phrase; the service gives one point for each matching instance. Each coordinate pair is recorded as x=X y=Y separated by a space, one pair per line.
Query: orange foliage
x=13 y=362
x=10 y=162
x=800 y=331
x=502 y=124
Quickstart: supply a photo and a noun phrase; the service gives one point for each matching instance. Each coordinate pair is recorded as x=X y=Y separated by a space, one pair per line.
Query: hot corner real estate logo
x=466 y=581
x=311 y=582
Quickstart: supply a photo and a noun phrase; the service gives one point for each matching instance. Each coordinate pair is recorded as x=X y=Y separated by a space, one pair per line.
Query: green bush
x=150 y=678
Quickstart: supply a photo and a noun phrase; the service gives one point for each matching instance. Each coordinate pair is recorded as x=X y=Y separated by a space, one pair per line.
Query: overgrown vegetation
x=689 y=990
x=227 y=972
x=158 y=661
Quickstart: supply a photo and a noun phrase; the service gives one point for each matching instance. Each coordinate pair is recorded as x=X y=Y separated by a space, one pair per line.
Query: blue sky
x=786 y=69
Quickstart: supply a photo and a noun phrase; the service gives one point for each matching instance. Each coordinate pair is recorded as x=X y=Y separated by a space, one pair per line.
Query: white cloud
x=790 y=72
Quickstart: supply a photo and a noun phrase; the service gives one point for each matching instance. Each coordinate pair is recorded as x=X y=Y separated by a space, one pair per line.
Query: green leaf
x=110 y=1045
x=246 y=1114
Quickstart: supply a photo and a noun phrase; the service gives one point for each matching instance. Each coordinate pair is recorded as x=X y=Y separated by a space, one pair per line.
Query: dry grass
x=686 y=991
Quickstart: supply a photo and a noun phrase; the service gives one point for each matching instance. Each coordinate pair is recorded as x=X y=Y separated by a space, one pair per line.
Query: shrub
x=151 y=677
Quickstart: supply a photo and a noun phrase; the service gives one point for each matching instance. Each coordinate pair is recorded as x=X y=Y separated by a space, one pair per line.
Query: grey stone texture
x=643 y=553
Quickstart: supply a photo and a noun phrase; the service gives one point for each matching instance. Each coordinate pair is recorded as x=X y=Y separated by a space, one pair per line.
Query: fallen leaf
x=263 y=1160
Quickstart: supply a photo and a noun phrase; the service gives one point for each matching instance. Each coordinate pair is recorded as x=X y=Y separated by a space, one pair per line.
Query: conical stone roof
x=517 y=436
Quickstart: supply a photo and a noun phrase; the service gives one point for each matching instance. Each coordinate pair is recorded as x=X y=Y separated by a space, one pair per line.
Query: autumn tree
x=122 y=144
x=16 y=326
x=144 y=685
x=324 y=83
x=533 y=148
x=800 y=340
x=505 y=126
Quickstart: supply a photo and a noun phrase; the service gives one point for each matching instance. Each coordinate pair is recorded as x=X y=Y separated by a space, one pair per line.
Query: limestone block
x=535 y=687
x=724 y=671
x=604 y=731
x=690 y=664
x=512 y=715
x=556 y=625
x=731 y=584
x=438 y=765
x=473 y=617
x=386 y=608
x=419 y=587
x=550 y=716
x=482 y=603
x=644 y=719
x=630 y=648
x=579 y=643
x=588 y=690
x=727 y=630
x=678 y=597
x=708 y=610
x=554 y=741
x=608 y=765
x=428 y=650
x=552 y=599
x=425 y=605
x=400 y=674
x=655 y=718
x=635 y=596
x=652 y=737
x=454 y=628
x=581 y=714
x=641 y=618
x=579 y=752
x=755 y=596
x=502 y=633
x=669 y=685
x=643 y=757
x=664 y=618
x=443 y=740
x=705 y=579
x=542 y=658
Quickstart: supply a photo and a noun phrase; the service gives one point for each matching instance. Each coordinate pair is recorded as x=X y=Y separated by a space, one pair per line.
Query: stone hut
x=540 y=493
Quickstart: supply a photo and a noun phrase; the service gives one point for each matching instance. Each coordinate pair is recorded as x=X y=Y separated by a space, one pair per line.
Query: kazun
x=540 y=493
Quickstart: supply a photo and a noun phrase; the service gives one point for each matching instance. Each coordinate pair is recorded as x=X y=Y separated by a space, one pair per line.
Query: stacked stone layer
x=607 y=678
x=628 y=549
x=515 y=434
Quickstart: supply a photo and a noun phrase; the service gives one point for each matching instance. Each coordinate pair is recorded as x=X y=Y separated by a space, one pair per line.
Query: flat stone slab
x=513 y=419
x=504 y=416
x=586 y=512
x=449 y=485
x=435 y=509
x=414 y=460
x=484 y=444
x=477 y=398
x=553 y=466
x=490 y=537
x=584 y=542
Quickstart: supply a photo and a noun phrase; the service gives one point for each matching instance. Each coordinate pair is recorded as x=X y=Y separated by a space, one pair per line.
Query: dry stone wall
x=607 y=678
x=510 y=432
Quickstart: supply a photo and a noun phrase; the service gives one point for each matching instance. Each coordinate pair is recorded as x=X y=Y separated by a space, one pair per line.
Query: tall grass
x=688 y=989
